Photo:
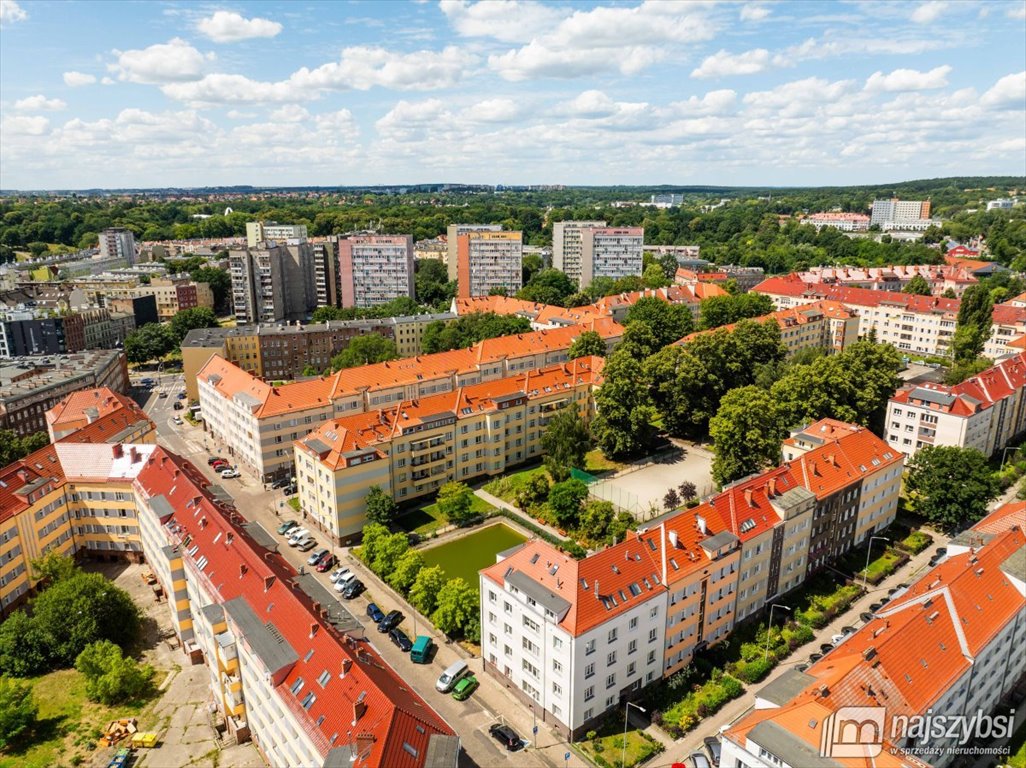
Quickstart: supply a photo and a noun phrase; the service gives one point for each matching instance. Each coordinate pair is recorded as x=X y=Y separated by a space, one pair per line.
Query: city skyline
x=152 y=95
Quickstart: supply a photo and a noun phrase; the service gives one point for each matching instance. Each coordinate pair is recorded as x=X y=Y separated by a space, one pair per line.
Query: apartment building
x=436 y=249
x=258 y=232
x=327 y=286
x=986 y=411
x=939 y=648
x=821 y=325
x=900 y=214
x=453 y=232
x=846 y=222
x=941 y=277
x=284 y=351
x=117 y=243
x=486 y=260
x=99 y=415
x=176 y=294
x=567 y=247
x=258 y=284
x=258 y=423
x=612 y=252
x=375 y=269
x=617 y=305
x=745 y=278
x=31 y=386
x=412 y=448
x=681 y=584
x=541 y=316
x=284 y=672
x=142 y=308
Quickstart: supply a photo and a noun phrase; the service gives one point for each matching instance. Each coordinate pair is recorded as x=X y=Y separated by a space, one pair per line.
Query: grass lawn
x=607 y=750
x=883 y=566
x=597 y=464
x=427 y=520
x=69 y=725
x=294 y=503
x=1017 y=758
x=507 y=486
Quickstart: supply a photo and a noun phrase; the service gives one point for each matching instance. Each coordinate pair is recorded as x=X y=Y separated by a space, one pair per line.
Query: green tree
x=426 y=587
x=363 y=350
x=549 y=286
x=405 y=571
x=565 y=501
x=23 y=649
x=961 y=371
x=53 y=566
x=746 y=433
x=389 y=551
x=151 y=342
x=111 y=677
x=530 y=265
x=669 y=322
x=623 y=425
x=723 y=310
x=951 y=486
x=381 y=508
x=638 y=341
x=431 y=283
x=588 y=343
x=18 y=710
x=533 y=492
x=972 y=329
x=81 y=609
x=373 y=535
x=655 y=276
x=220 y=283
x=457 y=605
x=565 y=442
x=918 y=285
x=188 y=319
x=14 y=447
x=454 y=502
x=949 y=293
x=467 y=330
x=669 y=264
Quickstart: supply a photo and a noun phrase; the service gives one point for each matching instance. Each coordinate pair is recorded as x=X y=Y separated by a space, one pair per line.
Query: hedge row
x=572 y=548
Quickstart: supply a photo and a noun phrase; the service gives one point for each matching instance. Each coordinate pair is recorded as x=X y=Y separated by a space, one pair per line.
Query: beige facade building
x=567 y=247
x=488 y=260
x=375 y=269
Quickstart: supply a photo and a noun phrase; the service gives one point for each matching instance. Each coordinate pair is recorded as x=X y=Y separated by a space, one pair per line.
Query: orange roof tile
x=87 y=405
x=792 y=285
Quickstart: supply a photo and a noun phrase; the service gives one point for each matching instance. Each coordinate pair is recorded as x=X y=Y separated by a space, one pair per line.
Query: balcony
x=430 y=458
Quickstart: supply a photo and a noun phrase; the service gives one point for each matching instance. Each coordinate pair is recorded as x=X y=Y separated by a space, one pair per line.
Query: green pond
x=463 y=558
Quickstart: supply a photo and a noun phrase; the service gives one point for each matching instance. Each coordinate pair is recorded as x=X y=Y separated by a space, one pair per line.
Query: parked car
x=217 y=466
x=374 y=613
x=306 y=546
x=698 y=760
x=178 y=406
x=316 y=557
x=400 y=639
x=506 y=736
x=353 y=589
x=712 y=745
x=280 y=483
x=392 y=619
x=177 y=421
x=229 y=473
x=162 y=394
x=941 y=552
x=214 y=459
x=325 y=564
x=286 y=527
x=344 y=581
x=464 y=688
x=298 y=533
x=182 y=395
x=338 y=573
x=838 y=639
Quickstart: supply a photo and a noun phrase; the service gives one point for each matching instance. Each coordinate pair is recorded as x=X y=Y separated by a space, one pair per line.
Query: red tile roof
x=545 y=314
x=788 y=318
x=792 y=285
x=1012 y=514
x=977 y=392
x=89 y=405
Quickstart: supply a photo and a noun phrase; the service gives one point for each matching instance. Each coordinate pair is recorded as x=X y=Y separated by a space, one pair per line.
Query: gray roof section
x=161 y=506
x=793 y=497
x=266 y=641
x=541 y=594
x=507 y=552
x=338 y=616
x=932 y=396
x=316 y=446
x=785 y=687
x=720 y=540
x=247 y=399
x=1015 y=564
x=213 y=613
x=442 y=751
x=788 y=747
x=261 y=536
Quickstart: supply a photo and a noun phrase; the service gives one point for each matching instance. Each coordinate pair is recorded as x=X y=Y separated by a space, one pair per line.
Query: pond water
x=463 y=558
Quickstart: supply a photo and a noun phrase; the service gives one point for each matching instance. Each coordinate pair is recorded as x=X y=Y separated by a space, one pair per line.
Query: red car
x=220 y=464
x=326 y=564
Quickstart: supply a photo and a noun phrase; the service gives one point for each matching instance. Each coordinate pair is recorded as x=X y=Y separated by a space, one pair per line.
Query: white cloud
x=493 y=111
x=1018 y=12
x=232 y=89
x=1007 y=93
x=39 y=102
x=230 y=27
x=174 y=61
x=751 y=12
x=11 y=12
x=24 y=125
x=909 y=80
x=725 y=64
x=511 y=21
x=107 y=81
x=799 y=98
x=591 y=103
x=77 y=79
x=929 y=11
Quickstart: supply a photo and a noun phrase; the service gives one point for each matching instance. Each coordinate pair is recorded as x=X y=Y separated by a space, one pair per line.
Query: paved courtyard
x=636 y=489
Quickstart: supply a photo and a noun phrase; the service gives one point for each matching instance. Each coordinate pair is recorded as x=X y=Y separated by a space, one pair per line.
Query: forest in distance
x=742 y=226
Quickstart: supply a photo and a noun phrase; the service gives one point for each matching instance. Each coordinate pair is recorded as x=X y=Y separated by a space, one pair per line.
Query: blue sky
x=150 y=94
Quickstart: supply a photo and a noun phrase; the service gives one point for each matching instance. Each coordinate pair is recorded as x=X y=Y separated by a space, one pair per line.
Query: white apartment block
x=894 y=211
x=453 y=231
x=117 y=243
x=986 y=411
x=612 y=252
x=567 y=245
x=261 y=231
x=375 y=269
x=1001 y=204
x=486 y=260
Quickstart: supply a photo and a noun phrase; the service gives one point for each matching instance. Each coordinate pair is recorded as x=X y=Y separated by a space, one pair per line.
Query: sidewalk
x=739 y=707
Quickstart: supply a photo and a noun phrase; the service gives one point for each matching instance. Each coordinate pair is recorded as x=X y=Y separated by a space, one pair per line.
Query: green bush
x=572 y=548
x=701 y=703
x=916 y=542
x=755 y=670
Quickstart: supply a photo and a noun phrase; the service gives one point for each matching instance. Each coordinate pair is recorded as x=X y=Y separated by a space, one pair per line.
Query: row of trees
x=155 y=340
x=14 y=446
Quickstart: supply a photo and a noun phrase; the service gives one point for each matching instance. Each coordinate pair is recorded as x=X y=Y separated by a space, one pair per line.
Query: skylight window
x=297 y=686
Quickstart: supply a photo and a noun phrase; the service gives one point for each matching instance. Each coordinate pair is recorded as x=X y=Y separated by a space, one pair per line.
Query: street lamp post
x=769 y=628
x=865 y=572
x=627 y=711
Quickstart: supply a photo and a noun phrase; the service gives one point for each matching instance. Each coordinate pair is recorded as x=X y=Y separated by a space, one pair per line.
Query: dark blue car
x=375 y=613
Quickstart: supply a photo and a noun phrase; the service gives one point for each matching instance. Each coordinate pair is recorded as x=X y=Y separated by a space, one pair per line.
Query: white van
x=297 y=534
x=451 y=675
x=300 y=543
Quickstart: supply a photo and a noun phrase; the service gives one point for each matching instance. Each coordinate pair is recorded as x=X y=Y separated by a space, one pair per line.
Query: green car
x=464 y=688
x=287 y=526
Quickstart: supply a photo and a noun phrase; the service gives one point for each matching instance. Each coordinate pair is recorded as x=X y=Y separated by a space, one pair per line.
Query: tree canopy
x=565 y=442
x=918 y=285
x=723 y=310
x=746 y=434
x=623 y=425
x=548 y=286
x=587 y=344
x=364 y=349
x=467 y=330
x=668 y=322
x=950 y=486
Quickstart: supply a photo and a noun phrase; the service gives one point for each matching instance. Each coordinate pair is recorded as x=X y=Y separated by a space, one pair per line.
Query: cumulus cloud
x=511 y=21
x=754 y=12
x=591 y=103
x=24 y=125
x=1007 y=93
x=909 y=80
x=11 y=12
x=725 y=64
x=77 y=79
x=493 y=111
x=173 y=61
x=230 y=27
x=39 y=103
x=232 y=89
x=1017 y=12
x=929 y=11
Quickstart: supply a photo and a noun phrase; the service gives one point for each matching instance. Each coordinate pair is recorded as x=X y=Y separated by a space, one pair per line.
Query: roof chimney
x=702 y=527
x=596 y=588
x=748 y=497
x=118 y=449
x=346 y=664
x=771 y=488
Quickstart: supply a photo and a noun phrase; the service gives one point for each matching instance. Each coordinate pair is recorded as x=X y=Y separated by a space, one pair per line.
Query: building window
x=633 y=623
x=589 y=648
x=589 y=694
x=589 y=671
x=611 y=659
x=611 y=637
x=632 y=646
x=611 y=680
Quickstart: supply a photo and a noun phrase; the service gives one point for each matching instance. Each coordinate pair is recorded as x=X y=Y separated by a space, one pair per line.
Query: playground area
x=636 y=490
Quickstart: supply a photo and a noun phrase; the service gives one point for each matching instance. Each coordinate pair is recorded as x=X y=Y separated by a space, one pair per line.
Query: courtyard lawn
x=465 y=556
x=508 y=486
x=294 y=503
x=607 y=750
x=69 y=725
x=597 y=464
x=426 y=520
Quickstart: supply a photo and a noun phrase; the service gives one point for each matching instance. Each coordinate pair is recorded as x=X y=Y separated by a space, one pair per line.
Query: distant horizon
x=806 y=94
